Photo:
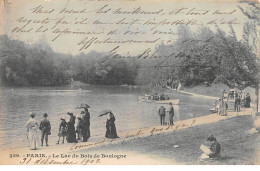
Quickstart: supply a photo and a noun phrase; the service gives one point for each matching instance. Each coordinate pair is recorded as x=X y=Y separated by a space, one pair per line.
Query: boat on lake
x=146 y=100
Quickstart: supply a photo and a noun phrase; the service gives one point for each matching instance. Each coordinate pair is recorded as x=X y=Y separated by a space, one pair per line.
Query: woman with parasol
x=110 y=124
x=85 y=123
x=71 y=134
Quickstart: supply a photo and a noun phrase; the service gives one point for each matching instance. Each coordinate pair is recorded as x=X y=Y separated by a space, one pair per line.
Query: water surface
x=130 y=114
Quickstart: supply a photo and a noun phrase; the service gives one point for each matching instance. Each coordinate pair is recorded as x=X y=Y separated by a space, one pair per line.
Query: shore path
x=97 y=141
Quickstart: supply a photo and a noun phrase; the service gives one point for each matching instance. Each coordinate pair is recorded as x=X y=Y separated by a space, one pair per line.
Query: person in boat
x=62 y=130
x=162 y=97
x=32 y=129
x=213 y=151
x=170 y=110
x=110 y=125
x=85 y=125
x=161 y=113
x=79 y=128
x=71 y=134
x=247 y=100
x=155 y=96
x=45 y=127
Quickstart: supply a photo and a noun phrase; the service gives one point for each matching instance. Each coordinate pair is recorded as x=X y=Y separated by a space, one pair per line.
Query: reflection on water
x=130 y=114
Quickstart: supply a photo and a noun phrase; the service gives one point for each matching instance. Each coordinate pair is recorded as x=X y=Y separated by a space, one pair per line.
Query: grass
x=238 y=146
x=215 y=90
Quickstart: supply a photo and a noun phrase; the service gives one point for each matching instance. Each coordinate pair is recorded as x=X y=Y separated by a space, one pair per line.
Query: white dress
x=32 y=129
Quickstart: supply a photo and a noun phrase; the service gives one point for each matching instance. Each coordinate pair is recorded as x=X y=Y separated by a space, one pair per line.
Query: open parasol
x=104 y=112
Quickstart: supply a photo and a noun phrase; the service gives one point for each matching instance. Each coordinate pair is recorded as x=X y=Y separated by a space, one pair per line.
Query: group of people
x=67 y=129
x=155 y=96
x=162 y=113
x=242 y=99
x=222 y=107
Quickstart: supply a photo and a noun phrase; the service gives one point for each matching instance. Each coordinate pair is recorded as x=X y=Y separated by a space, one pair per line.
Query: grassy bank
x=238 y=146
x=215 y=90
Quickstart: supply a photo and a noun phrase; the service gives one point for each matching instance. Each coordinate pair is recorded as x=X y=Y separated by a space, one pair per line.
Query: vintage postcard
x=129 y=82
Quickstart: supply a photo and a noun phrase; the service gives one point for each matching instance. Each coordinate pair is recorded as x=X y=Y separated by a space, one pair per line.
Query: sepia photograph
x=129 y=82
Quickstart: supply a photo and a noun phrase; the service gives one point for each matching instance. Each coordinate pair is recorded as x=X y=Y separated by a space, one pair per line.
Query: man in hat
x=212 y=151
x=170 y=110
x=45 y=127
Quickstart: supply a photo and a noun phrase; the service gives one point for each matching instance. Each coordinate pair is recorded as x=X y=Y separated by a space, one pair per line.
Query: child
x=62 y=130
x=45 y=128
x=79 y=128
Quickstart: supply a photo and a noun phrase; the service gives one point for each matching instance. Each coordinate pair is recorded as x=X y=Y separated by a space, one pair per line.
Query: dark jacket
x=161 y=111
x=215 y=149
x=45 y=125
x=171 y=112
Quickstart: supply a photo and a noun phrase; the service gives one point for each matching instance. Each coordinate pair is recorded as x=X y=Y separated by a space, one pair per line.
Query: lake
x=130 y=114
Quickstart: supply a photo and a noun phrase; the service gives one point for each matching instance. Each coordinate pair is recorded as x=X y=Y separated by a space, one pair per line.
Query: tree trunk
x=255 y=110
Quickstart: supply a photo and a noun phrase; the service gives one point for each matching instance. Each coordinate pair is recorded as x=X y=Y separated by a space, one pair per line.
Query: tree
x=250 y=39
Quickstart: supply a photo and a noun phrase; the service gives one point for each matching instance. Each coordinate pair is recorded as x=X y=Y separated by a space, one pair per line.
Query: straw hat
x=62 y=117
x=32 y=114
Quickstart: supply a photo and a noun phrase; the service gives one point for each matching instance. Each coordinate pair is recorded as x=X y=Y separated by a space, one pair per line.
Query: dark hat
x=211 y=138
x=84 y=105
x=170 y=103
x=45 y=115
x=69 y=113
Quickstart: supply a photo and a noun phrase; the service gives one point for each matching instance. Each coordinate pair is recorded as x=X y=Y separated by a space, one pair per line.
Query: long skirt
x=71 y=135
x=33 y=138
x=85 y=133
x=111 y=130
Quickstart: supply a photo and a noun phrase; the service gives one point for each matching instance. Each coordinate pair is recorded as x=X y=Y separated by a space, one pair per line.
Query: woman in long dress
x=110 y=125
x=223 y=108
x=247 y=101
x=86 y=125
x=32 y=129
x=71 y=133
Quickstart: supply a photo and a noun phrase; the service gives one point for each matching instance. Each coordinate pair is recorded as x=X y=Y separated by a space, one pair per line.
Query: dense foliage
x=204 y=56
x=194 y=58
x=39 y=65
